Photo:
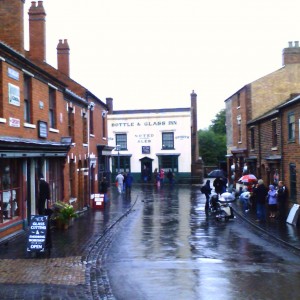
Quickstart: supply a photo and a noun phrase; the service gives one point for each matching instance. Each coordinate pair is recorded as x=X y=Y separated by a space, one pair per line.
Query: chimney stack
x=63 y=57
x=12 y=24
x=37 y=31
x=195 y=147
x=291 y=55
x=109 y=103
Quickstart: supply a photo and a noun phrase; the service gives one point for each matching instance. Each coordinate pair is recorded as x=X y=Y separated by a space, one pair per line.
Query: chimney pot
x=290 y=44
x=296 y=44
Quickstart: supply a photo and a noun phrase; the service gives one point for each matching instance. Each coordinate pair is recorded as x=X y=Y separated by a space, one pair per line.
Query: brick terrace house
x=50 y=125
x=254 y=140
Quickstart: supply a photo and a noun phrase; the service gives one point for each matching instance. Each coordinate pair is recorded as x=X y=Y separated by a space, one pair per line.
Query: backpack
x=203 y=189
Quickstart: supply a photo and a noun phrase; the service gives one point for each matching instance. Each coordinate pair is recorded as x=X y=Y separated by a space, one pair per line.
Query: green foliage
x=218 y=123
x=65 y=211
x=212 y=141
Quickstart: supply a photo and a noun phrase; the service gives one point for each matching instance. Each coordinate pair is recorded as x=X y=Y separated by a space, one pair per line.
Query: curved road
x=168 y=249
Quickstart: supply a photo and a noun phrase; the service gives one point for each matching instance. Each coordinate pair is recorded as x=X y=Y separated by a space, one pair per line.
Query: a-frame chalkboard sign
x=39 y=239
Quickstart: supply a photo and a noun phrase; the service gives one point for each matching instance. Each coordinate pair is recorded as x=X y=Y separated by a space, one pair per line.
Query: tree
x=212 y=141
x=218 y=123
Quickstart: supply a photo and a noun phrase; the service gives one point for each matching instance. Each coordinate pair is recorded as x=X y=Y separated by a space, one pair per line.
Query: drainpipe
x=281 y=146
x=259 y=149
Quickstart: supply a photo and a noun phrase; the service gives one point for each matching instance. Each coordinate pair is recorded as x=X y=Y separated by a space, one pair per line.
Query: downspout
x=281 y=146
x=88 y=148
x=259 y=149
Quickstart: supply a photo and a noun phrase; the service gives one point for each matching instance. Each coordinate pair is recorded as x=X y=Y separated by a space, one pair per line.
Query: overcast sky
x=153 y=53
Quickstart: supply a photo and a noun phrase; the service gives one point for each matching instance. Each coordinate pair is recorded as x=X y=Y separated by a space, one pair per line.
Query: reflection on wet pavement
x=170 y=249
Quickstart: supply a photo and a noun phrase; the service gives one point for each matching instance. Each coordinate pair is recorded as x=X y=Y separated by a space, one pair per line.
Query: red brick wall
x=11 y=24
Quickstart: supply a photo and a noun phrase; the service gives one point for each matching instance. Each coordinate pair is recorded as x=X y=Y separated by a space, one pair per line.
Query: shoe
x=247 y=210
x=257 y=220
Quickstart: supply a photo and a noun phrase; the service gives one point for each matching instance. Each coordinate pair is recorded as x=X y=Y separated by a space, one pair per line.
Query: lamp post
x=118 y=149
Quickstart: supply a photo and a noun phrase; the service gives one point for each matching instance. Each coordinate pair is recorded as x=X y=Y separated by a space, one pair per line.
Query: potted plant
x=65 y=213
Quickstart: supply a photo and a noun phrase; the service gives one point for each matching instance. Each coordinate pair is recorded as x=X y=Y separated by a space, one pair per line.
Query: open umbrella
x=228 y=197
x=248 y=178
x=216 y=173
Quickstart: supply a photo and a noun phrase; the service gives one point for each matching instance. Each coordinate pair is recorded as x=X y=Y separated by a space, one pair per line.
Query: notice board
x=293 y=215
x=38 y=234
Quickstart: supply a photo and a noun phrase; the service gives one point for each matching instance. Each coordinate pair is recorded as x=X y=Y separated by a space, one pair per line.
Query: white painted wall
x=145 y=129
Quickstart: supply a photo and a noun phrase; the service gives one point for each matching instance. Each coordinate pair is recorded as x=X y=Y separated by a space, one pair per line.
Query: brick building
x=50 y=125
x=258 y=119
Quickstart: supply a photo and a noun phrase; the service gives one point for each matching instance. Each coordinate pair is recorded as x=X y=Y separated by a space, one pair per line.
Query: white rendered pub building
x=148 y=140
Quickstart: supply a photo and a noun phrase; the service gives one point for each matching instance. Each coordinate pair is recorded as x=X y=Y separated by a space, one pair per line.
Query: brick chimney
x=12 y=24
x=37 y=31
x=195 y=147
x=109 y=103
x=291 y=55
x=63 y=54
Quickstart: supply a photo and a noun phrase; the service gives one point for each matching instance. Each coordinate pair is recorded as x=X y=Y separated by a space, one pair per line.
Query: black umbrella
x=216 y=173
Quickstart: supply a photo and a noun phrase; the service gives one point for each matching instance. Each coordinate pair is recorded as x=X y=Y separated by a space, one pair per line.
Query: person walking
x=129 y=180
x=260 y=193
x=44 y=196
x=120 y=180
x=272 y=201
x=162 y=176
x=244 y=198
x=104 y=189
x=206 y=190
x=218 y=185
x=282 y=196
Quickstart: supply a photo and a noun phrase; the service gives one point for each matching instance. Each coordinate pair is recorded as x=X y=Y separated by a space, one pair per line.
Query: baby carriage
x=220 y=206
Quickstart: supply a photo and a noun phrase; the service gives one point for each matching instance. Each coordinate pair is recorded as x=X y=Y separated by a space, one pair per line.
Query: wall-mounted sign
x=145 y=149
x=43 y=129
x=13 y=94
x=13 y=122
x=13 y=73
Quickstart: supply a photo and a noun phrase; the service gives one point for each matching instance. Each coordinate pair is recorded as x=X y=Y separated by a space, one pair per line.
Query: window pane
x=121 y=139
x=168 y=140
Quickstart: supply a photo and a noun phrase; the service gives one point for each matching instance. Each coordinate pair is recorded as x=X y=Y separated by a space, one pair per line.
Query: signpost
x=39 y=234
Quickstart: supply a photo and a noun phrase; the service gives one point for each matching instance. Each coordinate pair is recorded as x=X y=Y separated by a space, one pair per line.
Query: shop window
x=9 y=190
x=121 y=140
x=167 y=140
x=291 y=127
x=52 y=108
x=168 y=162
x=27 y=99
x=121 y=164
x=56 y=180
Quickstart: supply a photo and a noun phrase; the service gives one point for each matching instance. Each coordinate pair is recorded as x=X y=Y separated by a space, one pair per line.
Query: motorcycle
x=220 y=206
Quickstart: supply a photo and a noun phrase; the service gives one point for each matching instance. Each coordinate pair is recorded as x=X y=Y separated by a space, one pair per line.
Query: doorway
x=146 y=169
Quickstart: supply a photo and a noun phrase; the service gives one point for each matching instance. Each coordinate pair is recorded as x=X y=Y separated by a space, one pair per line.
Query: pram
x=220 y=206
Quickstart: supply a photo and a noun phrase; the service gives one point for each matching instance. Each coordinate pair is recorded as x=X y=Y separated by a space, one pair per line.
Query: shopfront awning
x=13 y=147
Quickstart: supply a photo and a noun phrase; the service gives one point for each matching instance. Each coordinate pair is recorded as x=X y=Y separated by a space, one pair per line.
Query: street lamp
x=118 y=147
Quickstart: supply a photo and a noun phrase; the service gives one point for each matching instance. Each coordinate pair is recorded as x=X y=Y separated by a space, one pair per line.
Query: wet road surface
x=167 y=248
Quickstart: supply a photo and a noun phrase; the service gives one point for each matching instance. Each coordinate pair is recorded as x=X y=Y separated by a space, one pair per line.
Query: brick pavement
x=73 y=270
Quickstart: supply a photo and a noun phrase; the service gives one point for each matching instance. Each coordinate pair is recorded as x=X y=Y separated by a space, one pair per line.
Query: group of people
x=159 y=177
x=275 y=197
x=259 y=197
x=124 y=183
